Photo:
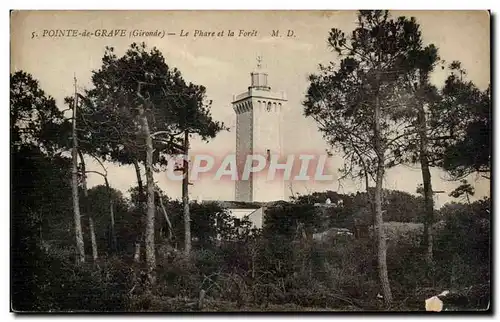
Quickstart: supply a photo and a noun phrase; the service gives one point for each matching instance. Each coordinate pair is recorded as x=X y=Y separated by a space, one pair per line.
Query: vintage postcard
x=250 y=161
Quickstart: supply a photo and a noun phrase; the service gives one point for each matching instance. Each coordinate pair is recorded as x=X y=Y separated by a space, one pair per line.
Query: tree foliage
x=40 y=187
x=462 y=118
x=34 y=117
x=110 y=107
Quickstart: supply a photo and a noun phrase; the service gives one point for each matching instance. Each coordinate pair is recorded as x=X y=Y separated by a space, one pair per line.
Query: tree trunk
x=139 y=181
x=114 y=242
x=86 y=209
x=170 y=228
x=185 y=197
x=149 y=234
x=379 y=221
x=137 y=253
x=93 y=239
x=372 y=210
x=80 y=248
x=426 y=178
x=369 y=198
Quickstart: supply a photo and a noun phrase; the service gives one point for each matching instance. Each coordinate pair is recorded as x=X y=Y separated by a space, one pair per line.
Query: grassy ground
x=163 y=304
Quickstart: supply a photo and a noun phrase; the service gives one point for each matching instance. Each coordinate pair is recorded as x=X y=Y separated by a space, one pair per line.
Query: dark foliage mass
x=279 y=267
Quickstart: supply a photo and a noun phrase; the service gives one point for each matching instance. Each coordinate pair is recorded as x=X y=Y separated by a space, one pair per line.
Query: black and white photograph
x=250 y=161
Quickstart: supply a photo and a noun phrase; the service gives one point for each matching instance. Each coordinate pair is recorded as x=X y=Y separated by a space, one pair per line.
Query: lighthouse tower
x=259 y=117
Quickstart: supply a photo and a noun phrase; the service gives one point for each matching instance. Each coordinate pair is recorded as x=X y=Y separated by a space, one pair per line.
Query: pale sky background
x=224 y=64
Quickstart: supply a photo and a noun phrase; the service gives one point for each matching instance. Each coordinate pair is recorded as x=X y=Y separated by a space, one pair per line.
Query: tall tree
x=92 y=143
x=149 y=238
x=141 y=106
x=452 y=127
x=356 y=104
x=194 y=119
x=417 y=94
x=74 y=183
x=185 y=196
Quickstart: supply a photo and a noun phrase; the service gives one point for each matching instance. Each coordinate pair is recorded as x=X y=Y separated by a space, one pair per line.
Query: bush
x=64 y=286
x=462 y=248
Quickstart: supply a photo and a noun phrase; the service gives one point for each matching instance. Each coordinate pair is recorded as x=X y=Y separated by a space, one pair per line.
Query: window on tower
x=268 y=155
x=268 y=107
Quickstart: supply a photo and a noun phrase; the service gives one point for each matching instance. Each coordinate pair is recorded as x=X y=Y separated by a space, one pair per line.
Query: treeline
x=234 y=266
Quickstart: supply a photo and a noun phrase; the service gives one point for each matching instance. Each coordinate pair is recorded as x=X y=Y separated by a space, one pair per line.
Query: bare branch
x=96 y=172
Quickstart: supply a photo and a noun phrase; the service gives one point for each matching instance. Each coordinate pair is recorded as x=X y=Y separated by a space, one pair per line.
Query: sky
x=223 y=65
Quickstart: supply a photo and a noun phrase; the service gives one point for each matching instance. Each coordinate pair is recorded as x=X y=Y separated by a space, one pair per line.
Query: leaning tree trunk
x=167 y=219
x=149 y=235
x=87 y=212
x=379 y=221
x=426 y=178
x=185 y=197
x=80 y=248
